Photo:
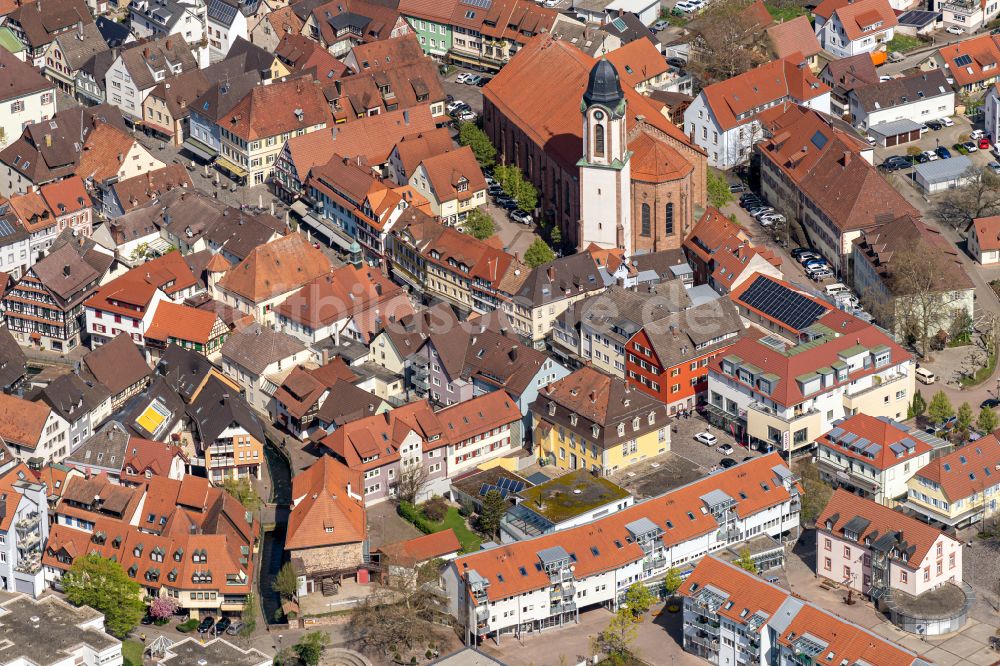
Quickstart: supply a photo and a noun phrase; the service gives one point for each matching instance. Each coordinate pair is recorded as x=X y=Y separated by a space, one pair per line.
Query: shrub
x=188 y=626
x=435 y=509
x=411 y=514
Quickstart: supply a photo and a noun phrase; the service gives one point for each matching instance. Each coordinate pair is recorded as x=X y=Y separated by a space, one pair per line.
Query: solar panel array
x=779 y=302
x=504 y=486
x=963 y=60
x=5 y=228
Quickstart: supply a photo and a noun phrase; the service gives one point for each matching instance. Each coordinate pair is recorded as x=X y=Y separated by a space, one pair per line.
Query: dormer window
x=635 y=423
x=621 y=429
x=596 y=430
x=651 y=418
x=573 y=419
x=552 y=409
x=462 y=185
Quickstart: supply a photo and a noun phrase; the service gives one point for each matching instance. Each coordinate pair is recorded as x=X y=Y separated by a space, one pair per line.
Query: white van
x=925 y=376
x=837 y=288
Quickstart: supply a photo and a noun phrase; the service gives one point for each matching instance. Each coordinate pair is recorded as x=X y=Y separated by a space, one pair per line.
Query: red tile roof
x=860 y=18
x=679 y=513
x=144 y=454
x=283 y=106
x=638 y=61
x=749 y=594
x=170 y=273
x=795 y=36
x=984 y=54
x=67 y=196
x=734 y=102
x=276 y=268
x=552 y=120
x=21 y=421
x=340 y=294
x=104 y=152
x=988 y=232
x=379 y=437
x=328 y=509
x=180 y=322
x=952 y=471
x=879 y=432
x=422 y=549
x=139 y=190
x=447 y=170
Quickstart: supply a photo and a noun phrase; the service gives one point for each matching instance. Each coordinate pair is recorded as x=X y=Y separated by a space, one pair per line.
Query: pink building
x=873 y=549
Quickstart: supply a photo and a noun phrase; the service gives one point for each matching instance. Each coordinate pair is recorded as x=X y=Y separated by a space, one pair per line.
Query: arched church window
x=670 y=219
x=645 y=230
x=599 y=140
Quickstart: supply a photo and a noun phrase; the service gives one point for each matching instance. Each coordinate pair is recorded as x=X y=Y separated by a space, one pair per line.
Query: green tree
x=244 y=492
x=478 y=224
x=638 y=598
x=718 y=189
x=286 y=582
x=745 y=561
x=919 y=406
x=538 y=253
x=964 y=417
x=987 y=421
x=494 y=507
x=940 y=409
x=517 y=187
x=555 y=235
x=310 y=648
x=672 y=580
x=470 y=135
x=248 y=616
x=615 y=641
x=102 y=584
x=816 y=494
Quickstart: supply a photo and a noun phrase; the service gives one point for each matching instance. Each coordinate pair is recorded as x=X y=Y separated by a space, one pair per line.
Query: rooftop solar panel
x=781 y=303
x=5 y=228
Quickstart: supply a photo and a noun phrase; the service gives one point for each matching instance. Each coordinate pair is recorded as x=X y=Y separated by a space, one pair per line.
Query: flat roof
x=48 y=630
x=571 y=495
x=941 y=171
x=894 y=127
x=191 y=652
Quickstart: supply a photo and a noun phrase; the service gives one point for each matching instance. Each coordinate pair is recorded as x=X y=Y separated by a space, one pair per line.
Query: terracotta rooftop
x=276 y=268
x=963 y=472
x=327 y=506
x=173 y=321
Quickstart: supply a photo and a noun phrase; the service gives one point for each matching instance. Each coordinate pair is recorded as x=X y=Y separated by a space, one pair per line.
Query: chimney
x=847 y=157
x=145 y=52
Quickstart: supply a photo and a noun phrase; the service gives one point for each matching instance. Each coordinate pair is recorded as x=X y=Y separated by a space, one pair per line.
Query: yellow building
x=589 y=420
x=959 y=488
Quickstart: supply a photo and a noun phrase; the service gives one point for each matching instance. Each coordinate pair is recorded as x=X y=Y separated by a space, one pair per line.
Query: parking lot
x=932 y=140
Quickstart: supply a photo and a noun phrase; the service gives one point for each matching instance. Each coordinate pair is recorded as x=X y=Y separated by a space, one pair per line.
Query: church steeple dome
x=603 y=86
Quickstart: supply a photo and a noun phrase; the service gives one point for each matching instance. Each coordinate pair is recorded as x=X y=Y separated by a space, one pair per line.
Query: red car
x=984 y=143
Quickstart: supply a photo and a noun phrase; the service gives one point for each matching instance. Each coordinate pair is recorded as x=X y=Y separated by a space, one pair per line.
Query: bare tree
x=728 y=42
x=412 y=480
x=919 y=279
x=978 y=197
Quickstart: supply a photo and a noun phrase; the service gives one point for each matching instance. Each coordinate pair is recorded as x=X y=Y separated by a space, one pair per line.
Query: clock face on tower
x=598 y=115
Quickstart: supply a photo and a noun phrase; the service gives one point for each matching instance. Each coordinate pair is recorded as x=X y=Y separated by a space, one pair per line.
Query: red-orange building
x=668 y=358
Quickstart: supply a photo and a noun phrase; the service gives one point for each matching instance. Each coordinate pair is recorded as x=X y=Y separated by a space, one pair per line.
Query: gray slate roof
x=217 y=407
x=256 y=347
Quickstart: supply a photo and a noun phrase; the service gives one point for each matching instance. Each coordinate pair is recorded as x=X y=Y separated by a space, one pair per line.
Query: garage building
x=895 y=132
x=943 y=175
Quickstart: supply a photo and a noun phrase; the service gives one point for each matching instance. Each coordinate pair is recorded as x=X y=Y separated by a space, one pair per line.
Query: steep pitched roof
x=962 y=472
x=446 y=171
x=174 y=320
x=970 y=61
x=688 y=334
x=283 y=106
x=328 y=509
x=118 y=363
x=422 y=549
x=131 y=293
x=339 y=294
x=861 y=17
x=138 y=190
x=795 y=36
x=19 y=78
x=22 y=421
x=256 y=347
x=897 y=444
x=219 y=407
x=276 y=268
x=987 y=232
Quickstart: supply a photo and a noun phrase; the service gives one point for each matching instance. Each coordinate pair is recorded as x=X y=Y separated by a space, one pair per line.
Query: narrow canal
x=273 y=547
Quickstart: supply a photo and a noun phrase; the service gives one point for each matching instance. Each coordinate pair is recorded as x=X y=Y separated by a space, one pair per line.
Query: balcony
x=566 y=590
x=482 y=614
x=964 y=7
x=656 y=562
x=879 y=383
x=29 y=522
x=761 y=408
x=29 y=541
x=703 y=639
x=557 y=577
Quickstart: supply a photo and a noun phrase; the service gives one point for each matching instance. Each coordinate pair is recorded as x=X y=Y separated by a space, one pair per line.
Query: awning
x=237 y=171
x=300 y=208
x=319 y=227
x=199 y=149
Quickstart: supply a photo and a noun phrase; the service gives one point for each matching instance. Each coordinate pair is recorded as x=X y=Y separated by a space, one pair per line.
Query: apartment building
x=258 y=358
x=255 y=129
x=877 y=551
x=722 y=254
x=24 y=526
x=919 y=97
x=589 y=420
x=734 y=617
x=805 y=163
x=229 y=436
x=140 y=68
x=546 y=581
x=185 y=540
x=33 y=431
x=53 y=632
x=853 y=28
x=958 y=488
x=872 y=457
x=668 y=358
x=724 y=118
x=452 y=182
x=785 y=392
x=29 y=99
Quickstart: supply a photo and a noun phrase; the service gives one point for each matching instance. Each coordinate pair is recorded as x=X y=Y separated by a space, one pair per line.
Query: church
x=609 y=168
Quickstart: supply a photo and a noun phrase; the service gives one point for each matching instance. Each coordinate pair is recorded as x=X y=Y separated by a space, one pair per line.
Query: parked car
x=147 y=620
x=983 y=143
x=757 y=213
x=706 y=438
x=819 y=275
x=870 y=139
x=770 y=219
x=506 y=203
x=977 y=134
x=943 y=152
x=934 y=124
x=483 y=80
x=806 y=257
x=947 y=122
x=924 y=129
x=725 y=449
x=930 y=155
x=994 y=167
x=222 y=625
x=837 y=288
x=679 y=63
x=494 y=190
x=896 y=56
x=726 y=463
x=660 y=25
x=454 y=104
x=467 y=116
x=206 y=624
x=799 y=251
x=520 y=217
x=551 y=3
x=463 y=77
x=895 y=163
x=971 y=146
x=737 y=188
x=922 y=158
x=954 y=30
x=235 y=628
x=473 y=79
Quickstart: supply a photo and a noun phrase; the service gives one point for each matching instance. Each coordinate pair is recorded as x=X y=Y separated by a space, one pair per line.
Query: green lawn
x=785 y=12
x=132 y=652
x=470 y=540
x=904 y=43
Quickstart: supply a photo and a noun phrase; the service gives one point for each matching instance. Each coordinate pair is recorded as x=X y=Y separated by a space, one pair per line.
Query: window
x=670 y=219
x=927 y=574
x=951 y=561
x=847 y=552
x=827 y=564
x=827 y=545
x=645 y=231
x=903 y=576
x=17 y=107
x=599 y=141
